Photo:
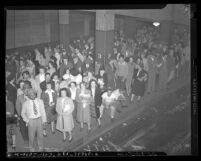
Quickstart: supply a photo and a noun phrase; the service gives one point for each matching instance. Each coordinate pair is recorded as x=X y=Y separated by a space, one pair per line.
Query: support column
x=86 y=26
x=52 y=28
x=104 y=35
x=166 y=31
x=64 y=27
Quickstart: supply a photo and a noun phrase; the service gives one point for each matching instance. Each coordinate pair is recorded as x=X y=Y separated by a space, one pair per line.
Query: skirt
x=51 y=114
x=83 y=114
x=65 y=123
x=75 y=110
x=138 y=88
x=94 y=111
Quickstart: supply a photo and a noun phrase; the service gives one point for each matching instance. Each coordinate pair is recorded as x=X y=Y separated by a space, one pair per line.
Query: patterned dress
x=83 y=106
x=96 y=101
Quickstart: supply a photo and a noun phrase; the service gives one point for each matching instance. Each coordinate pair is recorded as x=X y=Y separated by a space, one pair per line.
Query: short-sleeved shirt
x=108 y=99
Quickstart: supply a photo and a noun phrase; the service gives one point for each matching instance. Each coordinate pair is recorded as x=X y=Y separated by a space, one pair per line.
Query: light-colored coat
x=65 y=118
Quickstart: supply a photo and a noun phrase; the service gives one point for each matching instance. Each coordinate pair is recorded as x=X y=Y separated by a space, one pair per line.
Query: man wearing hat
x=33 y=114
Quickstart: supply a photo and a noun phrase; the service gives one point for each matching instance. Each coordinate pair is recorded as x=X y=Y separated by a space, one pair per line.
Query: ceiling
x=172 y=12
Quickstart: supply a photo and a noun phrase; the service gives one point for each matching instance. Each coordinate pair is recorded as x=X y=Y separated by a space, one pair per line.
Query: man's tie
x=34 y=108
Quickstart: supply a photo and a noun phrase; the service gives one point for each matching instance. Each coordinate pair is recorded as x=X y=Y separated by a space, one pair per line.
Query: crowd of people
x=56 y=87
x=141 y=62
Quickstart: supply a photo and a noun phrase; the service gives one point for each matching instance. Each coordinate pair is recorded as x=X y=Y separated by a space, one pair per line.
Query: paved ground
x=161 y=126
x=55 y=142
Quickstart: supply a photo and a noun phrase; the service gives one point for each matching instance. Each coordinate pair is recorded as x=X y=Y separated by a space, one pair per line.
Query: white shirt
x=107 y=98
x=50 y=95
x=41 y=77
x=100 y=81
x=73 y=93
x=19 y=92
x=78 y=78
x=67 y=76
x=27 y=112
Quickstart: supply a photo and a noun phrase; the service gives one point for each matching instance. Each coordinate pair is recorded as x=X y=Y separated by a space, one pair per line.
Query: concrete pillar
x=52 y=28
x=86 y=26
x=64 y=27
x=104 y=35
x=166 y=30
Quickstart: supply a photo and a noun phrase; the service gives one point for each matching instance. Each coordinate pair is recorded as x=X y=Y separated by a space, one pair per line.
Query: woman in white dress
x=64 y=108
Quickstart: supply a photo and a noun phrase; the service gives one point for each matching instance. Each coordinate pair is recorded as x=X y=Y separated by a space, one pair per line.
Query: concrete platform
x=55 y=142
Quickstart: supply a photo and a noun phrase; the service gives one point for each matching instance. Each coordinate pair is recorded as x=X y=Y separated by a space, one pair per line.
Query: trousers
x=35 y=128
x=23 y=130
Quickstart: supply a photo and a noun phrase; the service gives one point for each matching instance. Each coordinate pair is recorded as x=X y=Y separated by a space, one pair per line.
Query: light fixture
x=156 y=24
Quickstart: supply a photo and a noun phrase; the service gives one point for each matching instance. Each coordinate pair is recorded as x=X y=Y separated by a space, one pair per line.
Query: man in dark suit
x=96 y=95
x=44 y=83
x=12 y=90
